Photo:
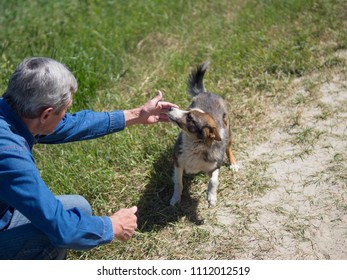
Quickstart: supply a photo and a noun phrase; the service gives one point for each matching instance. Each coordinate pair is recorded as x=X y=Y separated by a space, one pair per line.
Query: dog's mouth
x=172 y=116
x=173 y=120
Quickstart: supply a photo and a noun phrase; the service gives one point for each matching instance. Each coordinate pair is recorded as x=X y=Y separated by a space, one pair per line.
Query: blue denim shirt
x=22 y=188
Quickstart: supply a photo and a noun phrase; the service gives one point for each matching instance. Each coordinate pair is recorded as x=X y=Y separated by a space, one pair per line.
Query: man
x=35 y=224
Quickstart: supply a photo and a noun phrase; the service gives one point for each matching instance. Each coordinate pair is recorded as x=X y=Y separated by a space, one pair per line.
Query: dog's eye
x=189 y=117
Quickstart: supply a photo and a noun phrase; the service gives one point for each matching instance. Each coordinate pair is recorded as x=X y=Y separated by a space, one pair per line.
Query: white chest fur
x=193 y=158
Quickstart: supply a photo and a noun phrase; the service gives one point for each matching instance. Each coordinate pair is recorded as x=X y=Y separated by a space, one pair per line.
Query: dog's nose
x=170 y=109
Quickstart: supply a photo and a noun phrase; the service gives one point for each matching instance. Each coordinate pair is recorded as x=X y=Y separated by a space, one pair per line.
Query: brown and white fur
x=204 y=137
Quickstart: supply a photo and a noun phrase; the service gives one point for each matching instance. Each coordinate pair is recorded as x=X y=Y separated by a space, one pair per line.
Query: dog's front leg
x=232 y=161
x=212 y=188
x=178 y=185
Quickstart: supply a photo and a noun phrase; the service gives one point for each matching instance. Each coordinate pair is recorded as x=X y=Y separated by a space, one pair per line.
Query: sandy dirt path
x=305 y=216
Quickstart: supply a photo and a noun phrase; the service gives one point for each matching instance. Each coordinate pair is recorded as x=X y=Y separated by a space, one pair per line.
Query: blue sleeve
x=85 y=125
x=22 y=188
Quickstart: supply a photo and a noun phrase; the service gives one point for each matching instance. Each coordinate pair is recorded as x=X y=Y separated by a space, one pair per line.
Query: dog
x=204 y=137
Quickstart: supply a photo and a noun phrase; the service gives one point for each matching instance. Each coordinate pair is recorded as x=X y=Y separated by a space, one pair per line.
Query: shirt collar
x=17 y=125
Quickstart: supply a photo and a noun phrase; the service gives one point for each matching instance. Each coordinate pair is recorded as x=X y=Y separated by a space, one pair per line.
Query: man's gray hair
x=39 y=83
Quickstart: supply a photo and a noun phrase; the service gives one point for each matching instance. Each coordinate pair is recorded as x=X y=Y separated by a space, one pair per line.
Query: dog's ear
x=209 y=134
x=215 y=134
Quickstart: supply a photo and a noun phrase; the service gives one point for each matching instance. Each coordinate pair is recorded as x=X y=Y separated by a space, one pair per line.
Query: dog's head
x=196 y=124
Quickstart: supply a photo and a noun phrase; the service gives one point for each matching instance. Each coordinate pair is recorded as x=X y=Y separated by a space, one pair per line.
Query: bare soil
x=305 y=215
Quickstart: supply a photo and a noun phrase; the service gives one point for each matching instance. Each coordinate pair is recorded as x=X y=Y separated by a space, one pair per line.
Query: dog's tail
x=195 y=80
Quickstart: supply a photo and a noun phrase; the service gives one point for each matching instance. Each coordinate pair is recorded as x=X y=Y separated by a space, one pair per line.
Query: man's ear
x=46 y=114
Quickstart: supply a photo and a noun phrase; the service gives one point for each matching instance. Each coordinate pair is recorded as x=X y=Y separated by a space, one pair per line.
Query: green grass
x=121 y=52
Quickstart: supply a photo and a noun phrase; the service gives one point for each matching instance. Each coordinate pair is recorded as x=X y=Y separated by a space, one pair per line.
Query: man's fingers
x=134 y=209
x=158 y=97
x=167 y=105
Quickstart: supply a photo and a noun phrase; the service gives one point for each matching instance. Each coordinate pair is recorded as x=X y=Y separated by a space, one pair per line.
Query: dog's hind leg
x=232 y=161
x=178 y=185
x=212 y=188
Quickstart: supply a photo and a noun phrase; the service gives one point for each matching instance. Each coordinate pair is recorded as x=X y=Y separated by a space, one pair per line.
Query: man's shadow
x=154 y=209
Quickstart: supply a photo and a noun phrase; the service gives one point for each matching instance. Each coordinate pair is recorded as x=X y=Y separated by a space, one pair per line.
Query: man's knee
x=75 y=201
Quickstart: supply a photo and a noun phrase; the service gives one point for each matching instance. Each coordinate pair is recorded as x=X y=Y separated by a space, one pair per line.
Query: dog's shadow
x=154 y=209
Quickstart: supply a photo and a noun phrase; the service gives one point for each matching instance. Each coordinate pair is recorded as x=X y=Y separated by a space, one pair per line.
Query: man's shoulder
x=10 y=140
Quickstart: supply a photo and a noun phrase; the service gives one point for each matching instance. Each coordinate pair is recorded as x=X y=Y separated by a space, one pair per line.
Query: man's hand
x=152 y=112
x=124 y=223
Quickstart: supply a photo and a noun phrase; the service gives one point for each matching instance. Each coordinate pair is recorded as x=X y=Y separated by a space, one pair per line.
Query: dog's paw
x=174 y=200
x=212 y=200
x=234 y=167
